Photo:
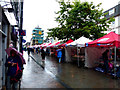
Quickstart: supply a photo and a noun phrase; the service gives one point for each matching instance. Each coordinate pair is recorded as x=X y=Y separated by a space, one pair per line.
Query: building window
x=112 y=11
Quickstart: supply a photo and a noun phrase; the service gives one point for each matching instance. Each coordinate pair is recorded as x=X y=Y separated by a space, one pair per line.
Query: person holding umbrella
x=12 y=62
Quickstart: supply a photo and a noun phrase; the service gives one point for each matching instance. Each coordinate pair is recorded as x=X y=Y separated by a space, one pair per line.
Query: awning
x=80 y=42
x=69 y=41
x=109 y=40
x=54 y=44
x=7 y=8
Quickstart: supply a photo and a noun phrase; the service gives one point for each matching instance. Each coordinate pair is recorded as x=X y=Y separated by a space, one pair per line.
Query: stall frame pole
x=78 y=57
x=115 y=61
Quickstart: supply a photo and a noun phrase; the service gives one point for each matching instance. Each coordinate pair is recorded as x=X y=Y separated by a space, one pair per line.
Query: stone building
x=10 y=26
x=114 y=12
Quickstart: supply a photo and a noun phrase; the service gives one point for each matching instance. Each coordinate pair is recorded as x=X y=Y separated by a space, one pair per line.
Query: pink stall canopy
x=109 y=40
x=69 y=41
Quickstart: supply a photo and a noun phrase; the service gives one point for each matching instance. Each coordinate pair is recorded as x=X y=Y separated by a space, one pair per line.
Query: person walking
x=37 y=50
x=29 y=50
x=47 y=52
x=59 y=55
x=43 y=56
x=12 y=62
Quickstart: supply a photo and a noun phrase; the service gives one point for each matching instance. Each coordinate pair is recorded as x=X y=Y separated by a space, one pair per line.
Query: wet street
x=62 y=75
x=35 y=77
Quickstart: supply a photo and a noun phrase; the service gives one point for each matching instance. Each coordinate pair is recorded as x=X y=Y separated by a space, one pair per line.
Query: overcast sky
x=42 y=13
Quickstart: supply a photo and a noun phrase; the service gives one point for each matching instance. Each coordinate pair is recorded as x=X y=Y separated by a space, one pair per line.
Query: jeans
x=13 y=86
x=59 y=59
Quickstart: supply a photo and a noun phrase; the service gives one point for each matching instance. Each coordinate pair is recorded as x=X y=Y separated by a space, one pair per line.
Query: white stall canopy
x=80 y=42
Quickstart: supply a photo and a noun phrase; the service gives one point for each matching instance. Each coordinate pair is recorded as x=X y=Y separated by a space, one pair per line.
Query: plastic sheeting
x=92 y=55
x=68 y=54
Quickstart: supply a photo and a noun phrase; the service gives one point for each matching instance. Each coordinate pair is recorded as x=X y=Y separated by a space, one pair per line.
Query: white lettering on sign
x=104 y=39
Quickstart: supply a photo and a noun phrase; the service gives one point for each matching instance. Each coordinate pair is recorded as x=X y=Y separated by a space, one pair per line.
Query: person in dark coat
x=47 y=51
x=28 y=50
x=43 y=56
x=37 y=50
x=11 y=63
x=105 y=59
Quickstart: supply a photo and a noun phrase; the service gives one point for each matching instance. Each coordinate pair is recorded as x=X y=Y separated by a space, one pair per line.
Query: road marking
x=37 y=62
x=54 y=76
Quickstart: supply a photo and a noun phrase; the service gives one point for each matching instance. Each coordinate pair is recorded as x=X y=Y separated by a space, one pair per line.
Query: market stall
x=75 y=51
x=95 y=49
x=53 y=48
x=64 y=44
x=75 y=55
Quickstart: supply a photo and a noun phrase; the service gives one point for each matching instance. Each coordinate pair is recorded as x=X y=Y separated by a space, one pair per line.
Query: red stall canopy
x=109 y=40
x=52 y=45
x=47 y=44
x=69 y=41
x=42 y=44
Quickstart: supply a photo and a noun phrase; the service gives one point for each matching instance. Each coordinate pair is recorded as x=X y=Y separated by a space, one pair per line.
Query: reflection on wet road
x=35 y=77
x=63 y=75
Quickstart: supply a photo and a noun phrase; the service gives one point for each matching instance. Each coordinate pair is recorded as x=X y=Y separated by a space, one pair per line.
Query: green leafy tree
x=78 y=19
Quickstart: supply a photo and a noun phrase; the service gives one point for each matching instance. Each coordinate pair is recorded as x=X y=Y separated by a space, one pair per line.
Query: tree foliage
x=78 y=19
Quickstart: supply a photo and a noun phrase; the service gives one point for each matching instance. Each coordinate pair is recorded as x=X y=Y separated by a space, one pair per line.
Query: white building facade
x=114 y=12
